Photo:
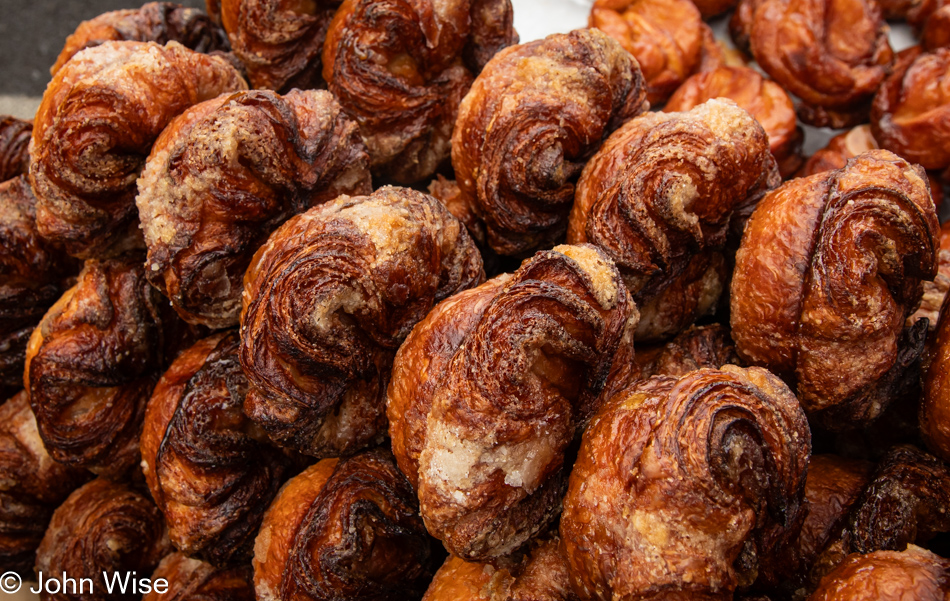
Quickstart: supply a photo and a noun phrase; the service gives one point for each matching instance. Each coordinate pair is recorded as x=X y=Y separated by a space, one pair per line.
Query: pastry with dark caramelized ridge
x=14 y=147
x=195 y=580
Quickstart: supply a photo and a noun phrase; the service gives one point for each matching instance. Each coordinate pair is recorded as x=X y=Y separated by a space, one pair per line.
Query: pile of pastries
x=310 y=300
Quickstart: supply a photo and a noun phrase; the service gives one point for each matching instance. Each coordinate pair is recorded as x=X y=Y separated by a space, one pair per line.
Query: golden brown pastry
x=935 y=291
x=194 y=580
x=33 y=274
x=344 y=529
x=911 y=112
x=328 y=300
x=531 y=120
x=659 y=197
x=14 y=147
x=829 y=269
x=33 y=485
x=931 y=20
x=665 y=36
x=95 y=126
x=540 y=576
x=764 y=99
x=224 y=175
x=92 y=362
x=695 y=347
x=684 y=488
x=210 y=470
x=160 y=22
x=914 y=574
x=279 y=41
x=491 y=388
x=102 y=529
x=740 y=24
x=401 y=69
x=832 y=54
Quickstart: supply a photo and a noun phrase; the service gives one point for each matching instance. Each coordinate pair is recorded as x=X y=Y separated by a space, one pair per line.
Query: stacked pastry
x=610 y=356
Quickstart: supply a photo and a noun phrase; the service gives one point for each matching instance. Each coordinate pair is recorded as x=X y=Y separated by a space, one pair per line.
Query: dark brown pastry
x=328 y=300
x=659 y=198
x=160 y=22
x=104 y=528
x=33 y=486
x=14 y=147
x=764 y=99
x=665 y=36
x=279 y=41
x=684 y=488
x=210 y=470
x=95 y=126
x=224 y=175
x=33 y=274
x=935 y=291
x=540 y=576
x=832 y=54
x=92 y=362
x=911 y=112
x=491 y=388
x=696 y=347
x=829 y=269
x=914 y=574
x=344 y=529
x=931 y=20
x=194 y=580
x=530 y=122
x=401 y=68
x=714 y=8
x=740 y=24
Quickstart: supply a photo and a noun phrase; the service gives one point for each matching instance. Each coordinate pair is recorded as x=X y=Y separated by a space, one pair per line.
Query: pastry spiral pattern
x=824 y=307
x=224 y=175
x=531 y=121
x=14 y=147
x=195 y=580
x=95 y=126
x=685 y=486
x=328 y=300
x=491 y=388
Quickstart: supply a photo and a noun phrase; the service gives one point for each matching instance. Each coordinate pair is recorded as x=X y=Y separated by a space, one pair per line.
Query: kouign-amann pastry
x=914 y=573
x=686 y=487
x=829 y=269
x=491 y=388
x=833 y=54
x=103 y=528
x=935 y=291
x=931 y=19
x=224 y=175
x=92 y=362
x=344 y=529
x=695 y=347
x=195 y=580
x=529 y=124
x=14 y=147
x=160 y=22
x=210 y=470
x=328 y=300
x=401 y=68
x=96 y=124
x=935 y=405
x=33 y=485
x=659 y=198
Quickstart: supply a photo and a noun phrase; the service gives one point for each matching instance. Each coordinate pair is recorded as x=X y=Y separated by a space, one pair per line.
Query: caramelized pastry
x=833 y=54
x=659 y=197
x=224 y=175
x=328 y=300
x=160 y=22
x=530 y=122
x=103 y=528
x=764 y=99
x=194 y=580
x=665 y=36
x=540 y=576
x=685 y=487
x=935 y=291
x=914 y=574
x=343 y=529
x=491 y=388
x=713 y=8
x=33 y=274
x=210 y=470
x=33 y=485
x=14 y=147
x=92 y=362
x=694 y=348
x=95 y=126
x=829 y=269
x=401 y=68
x=931 y=20
x=911 y=112
x=740 y=24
